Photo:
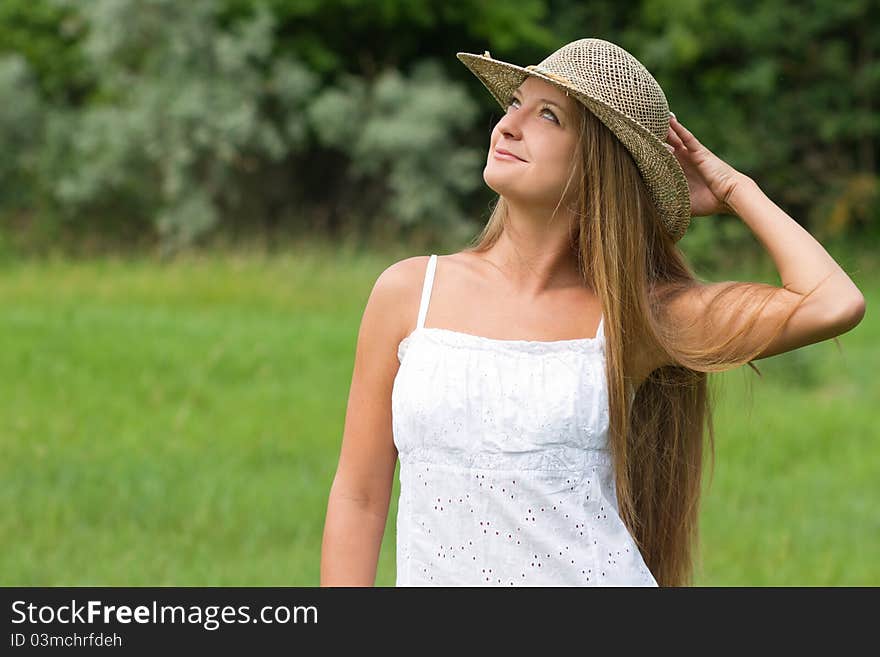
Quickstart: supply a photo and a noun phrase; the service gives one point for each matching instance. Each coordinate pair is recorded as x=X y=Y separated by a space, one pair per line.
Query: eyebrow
x=545 y=100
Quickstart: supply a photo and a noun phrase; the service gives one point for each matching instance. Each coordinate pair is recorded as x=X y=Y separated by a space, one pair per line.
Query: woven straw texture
x=620 y=91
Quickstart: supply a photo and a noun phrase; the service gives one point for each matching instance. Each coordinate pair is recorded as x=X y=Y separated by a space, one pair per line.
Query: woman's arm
x=801 y=261
x=353 y=533
x=719 y=313
x=357 y=508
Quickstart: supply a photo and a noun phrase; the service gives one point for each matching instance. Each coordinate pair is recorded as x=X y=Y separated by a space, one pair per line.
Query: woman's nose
x=508 y=125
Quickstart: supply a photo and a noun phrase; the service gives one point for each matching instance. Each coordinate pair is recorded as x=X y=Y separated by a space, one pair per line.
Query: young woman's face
x=539 y=129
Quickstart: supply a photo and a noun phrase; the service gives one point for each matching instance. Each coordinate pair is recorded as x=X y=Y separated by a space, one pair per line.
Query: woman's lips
x=502 y=154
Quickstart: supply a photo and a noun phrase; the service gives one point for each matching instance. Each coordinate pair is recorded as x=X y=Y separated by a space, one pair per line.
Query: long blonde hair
x=656 y=433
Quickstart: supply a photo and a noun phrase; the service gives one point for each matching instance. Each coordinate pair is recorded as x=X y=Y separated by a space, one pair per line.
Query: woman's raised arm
x=703 y=315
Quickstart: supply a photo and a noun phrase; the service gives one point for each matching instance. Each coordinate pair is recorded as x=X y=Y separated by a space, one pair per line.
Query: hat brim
x=660 y=169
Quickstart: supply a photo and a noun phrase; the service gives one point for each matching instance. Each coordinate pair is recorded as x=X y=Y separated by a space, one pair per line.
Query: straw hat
x=620 y=91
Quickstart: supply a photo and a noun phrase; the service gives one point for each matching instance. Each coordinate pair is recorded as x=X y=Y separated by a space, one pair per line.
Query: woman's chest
x=476 y=399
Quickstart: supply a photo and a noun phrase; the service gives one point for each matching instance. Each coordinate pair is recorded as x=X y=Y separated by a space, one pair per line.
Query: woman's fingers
x=674 y=139
x=684 y=135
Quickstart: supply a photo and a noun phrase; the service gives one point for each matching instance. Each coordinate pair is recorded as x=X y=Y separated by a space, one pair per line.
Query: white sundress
x=506 y=476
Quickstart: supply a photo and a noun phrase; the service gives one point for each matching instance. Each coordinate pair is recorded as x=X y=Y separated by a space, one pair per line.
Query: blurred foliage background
x=164 y=124
x=196 y=198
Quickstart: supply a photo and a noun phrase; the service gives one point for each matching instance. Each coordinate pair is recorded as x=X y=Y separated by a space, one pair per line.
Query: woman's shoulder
x=403 y=272
x=401 y=284
x=399 y=289
x=410 y=272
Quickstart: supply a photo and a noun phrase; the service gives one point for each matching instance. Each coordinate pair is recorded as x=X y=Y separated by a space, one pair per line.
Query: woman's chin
x=499 y=182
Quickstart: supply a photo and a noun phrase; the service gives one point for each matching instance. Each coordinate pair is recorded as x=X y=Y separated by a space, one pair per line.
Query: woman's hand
x=711 y=181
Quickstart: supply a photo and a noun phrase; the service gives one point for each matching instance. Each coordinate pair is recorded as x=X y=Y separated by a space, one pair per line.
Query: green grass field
x=179 y=424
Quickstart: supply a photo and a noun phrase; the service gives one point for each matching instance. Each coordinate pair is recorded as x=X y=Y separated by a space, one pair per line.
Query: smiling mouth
x=505 y=155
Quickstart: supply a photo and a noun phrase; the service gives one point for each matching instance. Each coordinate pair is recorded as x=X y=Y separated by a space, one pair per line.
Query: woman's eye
x=543 y=109
x=547 y=109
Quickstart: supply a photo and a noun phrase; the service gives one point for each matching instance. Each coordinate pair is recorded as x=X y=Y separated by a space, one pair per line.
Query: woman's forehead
x=538 y=88
x=533 y=85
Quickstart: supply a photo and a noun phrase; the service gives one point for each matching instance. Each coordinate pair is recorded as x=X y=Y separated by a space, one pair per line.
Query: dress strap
x=600 y=331
x=426 y=290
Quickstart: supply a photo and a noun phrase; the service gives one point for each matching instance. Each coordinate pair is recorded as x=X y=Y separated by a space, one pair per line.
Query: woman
x=530 y=454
